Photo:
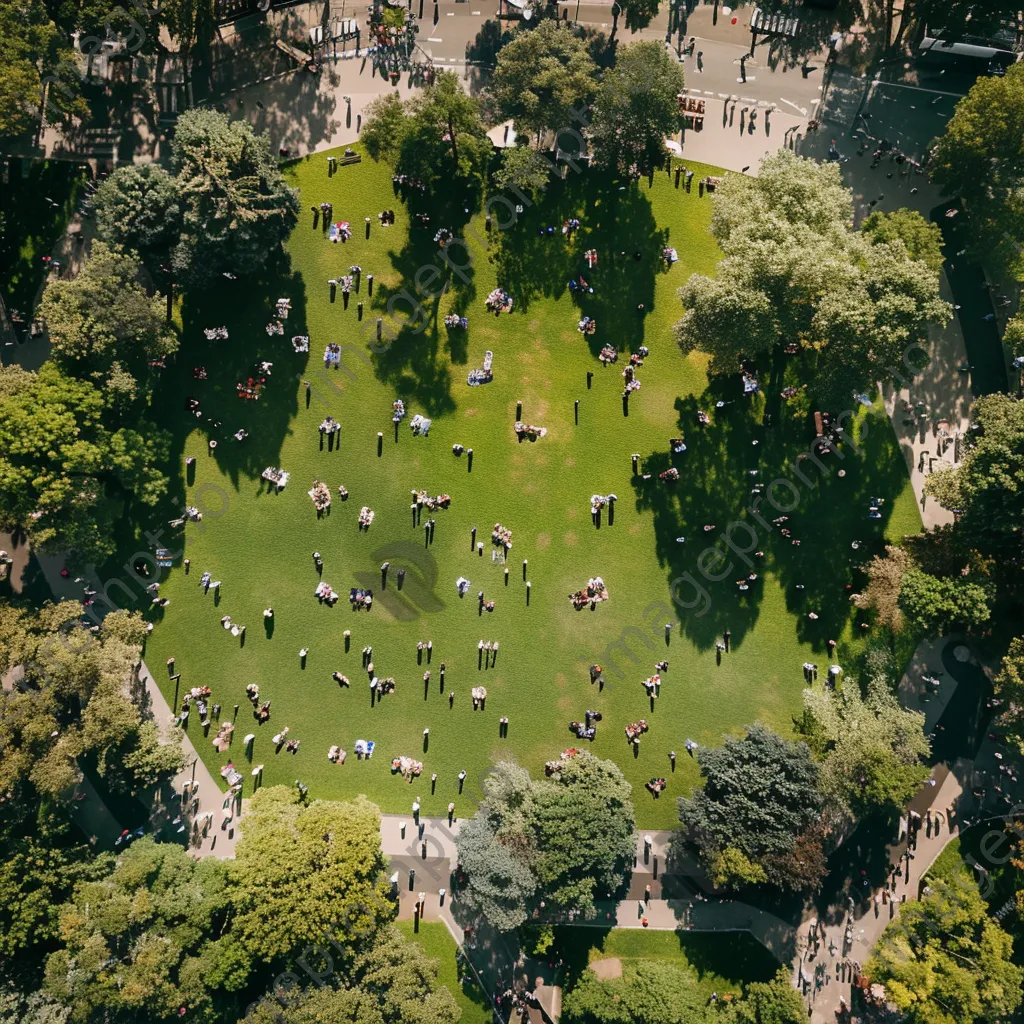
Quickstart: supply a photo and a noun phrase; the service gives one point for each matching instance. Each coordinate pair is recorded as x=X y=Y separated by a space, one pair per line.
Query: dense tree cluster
x=566 y=840
x=757 y=815
x=794 y=272
x=225 y=209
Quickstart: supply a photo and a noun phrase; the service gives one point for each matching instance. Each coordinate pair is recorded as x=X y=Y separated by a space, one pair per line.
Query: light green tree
x=138 y=207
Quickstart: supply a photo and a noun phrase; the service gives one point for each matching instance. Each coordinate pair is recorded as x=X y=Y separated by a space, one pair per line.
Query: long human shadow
x=720 y=473
x=535 y=259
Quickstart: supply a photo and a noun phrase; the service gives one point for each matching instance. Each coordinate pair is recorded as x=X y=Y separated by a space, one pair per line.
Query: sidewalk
x=198 y=792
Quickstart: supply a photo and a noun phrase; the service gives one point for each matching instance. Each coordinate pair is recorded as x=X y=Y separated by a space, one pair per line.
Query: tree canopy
x=1009 y=688
x=35 y=53
x=758 y=806
x=103 y=324
x=522 y=170
x=922 y=238
x=986 y=489
x=793 y=271
x=436 y=138
x=543 y=78
x=138 y=207
x=980 y=156
x=636 y=108
x=945 y=961
x=872 y=749
x=566 y=840
x=305 y=871
x=235 y=206
x=65 y=474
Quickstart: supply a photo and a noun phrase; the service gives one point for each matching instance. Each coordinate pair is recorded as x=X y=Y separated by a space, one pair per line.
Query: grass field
x=437 y=941
x=723 y=963
x=259 y=544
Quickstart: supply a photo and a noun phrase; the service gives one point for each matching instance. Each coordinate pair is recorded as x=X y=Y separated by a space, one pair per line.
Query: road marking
x=431 y=39
x=916 y=88
x=802 y=110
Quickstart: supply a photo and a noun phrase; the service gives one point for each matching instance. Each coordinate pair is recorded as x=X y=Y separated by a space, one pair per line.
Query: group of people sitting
x=632 y=384
x=250 y=389
x=453 y=320
x=655 y=786
x=527 y=431
x=671 y=474
x=422 y=499
x=595 y=591
x=366 y=515
x=222 y=740
x=216 y=333
x=608 y=354
x=340 y=231
x=325 y=593
x=382 y=687
x=586 y=730
x=261 y=712
x=321 y=495
x=278 y=477
x=408 y=767
x=360 y=598
x=419 y=425
x=199 y=696
x=587 y=325
x=386 y=218
x=336 y=755
x=635 y=730
x=300 y=343
x=275 y=327
x=483 y=375
x=281 y=740
x=332 y=355
x=341 y=679
x=499 y=301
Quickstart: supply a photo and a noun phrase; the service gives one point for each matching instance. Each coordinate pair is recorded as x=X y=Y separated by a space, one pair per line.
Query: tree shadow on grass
x=534 y=259
x=721 y=470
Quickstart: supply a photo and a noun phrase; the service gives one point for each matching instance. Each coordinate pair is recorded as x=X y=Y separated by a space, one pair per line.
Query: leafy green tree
x=104 y=319
x=936 y=604
x=980 y=157
x=636 y=108
x=308 y=871
x=65 y=476
x=769 y=1002
x=793 y=269
x=760 y=795
x=543 y=77
x=138 y=207
x=236 y=208
x=649 y=992
x=1009 y=688
x=986 y=489
x=36 y=58
x=922 y=238
x=384 y=126
x=523 y=171
x=30 y=1008
x=142 y=939
x=945 y=961
x=564 y=840
x=393 y=982
x=872 y=749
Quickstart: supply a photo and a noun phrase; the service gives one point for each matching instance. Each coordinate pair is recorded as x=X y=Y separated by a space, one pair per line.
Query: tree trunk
x=455 y=148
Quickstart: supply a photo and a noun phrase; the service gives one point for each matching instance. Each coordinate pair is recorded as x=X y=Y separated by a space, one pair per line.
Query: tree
x=769 y=1002
x=523 y=171
x=306 y=872
x=543 y=77
x=138 y=207
x=1009 y=688
x=937 y=604
x=760 y=794
x=146 y=939
x=922 y=238
x=35 y=59
x=885 y=578
x=649 y=992
x=103 y=319
x=384 y=126
x=793 y=270
x=393 y=982
x=987 y=489
x=872 y=749
x=944 y=961
x=636 y=108
x=981 y=158
x=65 y=476
x=564 y=840
x=236 y=208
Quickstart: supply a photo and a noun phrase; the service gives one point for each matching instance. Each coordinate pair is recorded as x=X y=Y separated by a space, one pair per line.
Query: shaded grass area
x=260 y=543
x=35 y=205
x=722 y=962
x=437 y=941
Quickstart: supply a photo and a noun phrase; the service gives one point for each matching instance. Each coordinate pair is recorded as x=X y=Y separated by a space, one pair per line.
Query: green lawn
x=723 y=963
x=437 y=941
x=260 y=544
